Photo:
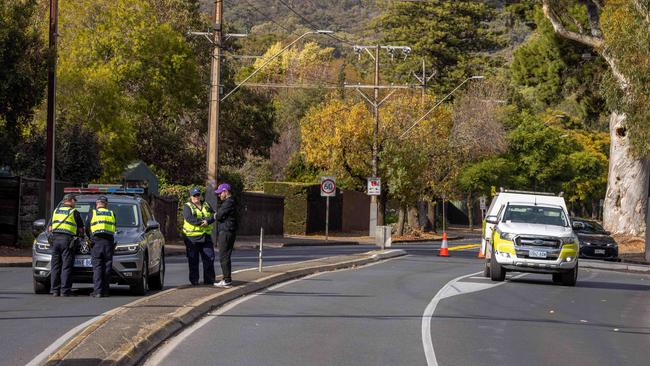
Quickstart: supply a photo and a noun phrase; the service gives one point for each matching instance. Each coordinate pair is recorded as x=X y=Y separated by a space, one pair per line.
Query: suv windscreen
x=126 y=214
x=588 y=227
x=535 y=215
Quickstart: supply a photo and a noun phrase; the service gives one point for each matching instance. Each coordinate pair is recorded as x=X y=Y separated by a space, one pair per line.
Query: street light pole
x=51 y=110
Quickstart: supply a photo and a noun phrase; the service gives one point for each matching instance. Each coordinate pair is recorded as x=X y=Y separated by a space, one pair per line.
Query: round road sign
x=328 y=187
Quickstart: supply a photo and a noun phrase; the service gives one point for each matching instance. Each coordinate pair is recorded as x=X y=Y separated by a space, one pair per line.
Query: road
x=422 y=309
x=29 y=323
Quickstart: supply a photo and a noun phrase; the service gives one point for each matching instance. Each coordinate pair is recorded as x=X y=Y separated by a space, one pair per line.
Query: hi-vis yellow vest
x=103 y=222
x=203 y=214
x=63 y=221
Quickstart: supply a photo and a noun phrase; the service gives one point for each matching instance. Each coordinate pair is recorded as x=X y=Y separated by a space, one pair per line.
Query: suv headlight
x=130 y=248
x=569 y=240
x=42 y=247
x=506 y=236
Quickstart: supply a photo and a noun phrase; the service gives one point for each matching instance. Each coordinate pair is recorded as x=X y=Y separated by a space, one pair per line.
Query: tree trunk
x=414 y=223
x=431 y=215
x=422 y=215
x=400 y=220
x=626 y=200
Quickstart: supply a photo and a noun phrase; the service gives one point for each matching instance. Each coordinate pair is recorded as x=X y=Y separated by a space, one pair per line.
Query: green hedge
x=295 y=204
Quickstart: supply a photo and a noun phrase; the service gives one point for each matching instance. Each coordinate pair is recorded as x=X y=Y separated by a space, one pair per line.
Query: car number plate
x=537 y=254
x=599 y=251
x=83 y=262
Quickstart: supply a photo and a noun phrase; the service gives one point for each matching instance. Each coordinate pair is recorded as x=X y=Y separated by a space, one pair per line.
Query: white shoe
x=223 y=284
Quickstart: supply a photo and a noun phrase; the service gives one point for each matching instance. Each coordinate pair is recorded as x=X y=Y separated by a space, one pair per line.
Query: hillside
x=347 y=16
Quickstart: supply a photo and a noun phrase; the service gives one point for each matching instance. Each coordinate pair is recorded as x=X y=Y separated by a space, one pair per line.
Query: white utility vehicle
x=530 y=232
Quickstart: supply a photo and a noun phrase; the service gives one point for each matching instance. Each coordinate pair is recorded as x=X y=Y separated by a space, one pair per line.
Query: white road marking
x=452 y=288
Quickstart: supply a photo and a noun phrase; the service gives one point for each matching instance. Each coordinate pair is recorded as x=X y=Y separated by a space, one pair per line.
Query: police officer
x=197 y=230
x=100 y=227
x=226 y=228
x=66 y=225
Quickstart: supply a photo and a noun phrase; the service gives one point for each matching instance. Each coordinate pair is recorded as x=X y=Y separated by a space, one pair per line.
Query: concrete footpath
x=125 y=335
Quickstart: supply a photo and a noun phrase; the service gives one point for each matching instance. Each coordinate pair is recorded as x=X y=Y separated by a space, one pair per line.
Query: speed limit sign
x=327 y=187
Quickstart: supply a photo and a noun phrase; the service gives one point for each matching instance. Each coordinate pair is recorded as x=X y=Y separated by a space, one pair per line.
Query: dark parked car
x=139 y=259
x=595 y=241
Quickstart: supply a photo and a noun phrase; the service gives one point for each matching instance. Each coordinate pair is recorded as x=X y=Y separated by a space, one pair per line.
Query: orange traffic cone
x=481 y=254
x=444 y=251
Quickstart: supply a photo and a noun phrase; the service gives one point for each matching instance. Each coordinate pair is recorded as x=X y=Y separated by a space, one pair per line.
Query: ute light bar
x=111 y=190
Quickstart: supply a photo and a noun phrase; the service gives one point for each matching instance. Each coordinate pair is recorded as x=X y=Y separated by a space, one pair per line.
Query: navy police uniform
x=65 y=226
x=101 y=227
x=198 y=239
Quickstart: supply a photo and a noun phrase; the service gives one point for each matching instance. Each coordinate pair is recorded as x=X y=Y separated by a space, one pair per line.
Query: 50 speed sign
x=327 y=187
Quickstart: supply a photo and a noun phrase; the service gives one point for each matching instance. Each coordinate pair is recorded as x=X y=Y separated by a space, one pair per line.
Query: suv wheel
x=497 y=273
x=157 y=281
x=570 y=278
x=140 y=288
x=41 y=287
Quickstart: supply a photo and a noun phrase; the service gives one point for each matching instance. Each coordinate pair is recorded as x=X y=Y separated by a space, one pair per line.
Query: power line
x=267 y=17
x=314 y=26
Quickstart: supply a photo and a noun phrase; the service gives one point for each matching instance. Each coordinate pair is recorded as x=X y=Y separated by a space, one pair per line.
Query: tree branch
x=560 y=29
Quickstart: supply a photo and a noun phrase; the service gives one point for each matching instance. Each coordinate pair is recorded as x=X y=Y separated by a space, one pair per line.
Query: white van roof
x=524 y=197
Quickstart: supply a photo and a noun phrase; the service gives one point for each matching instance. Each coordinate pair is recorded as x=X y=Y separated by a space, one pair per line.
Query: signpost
x=482 y=201
x=327 y=190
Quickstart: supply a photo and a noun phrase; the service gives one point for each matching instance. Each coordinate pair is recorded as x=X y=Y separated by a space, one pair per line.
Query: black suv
x=139 y=258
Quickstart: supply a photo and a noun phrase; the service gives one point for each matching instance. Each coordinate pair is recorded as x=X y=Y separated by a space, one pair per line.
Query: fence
x=261 y=210
x=22 y=201
x=165 y=210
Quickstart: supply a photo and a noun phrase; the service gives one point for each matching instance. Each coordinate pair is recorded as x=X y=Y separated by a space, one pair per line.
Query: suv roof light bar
x=110 y=190
x=530 y=192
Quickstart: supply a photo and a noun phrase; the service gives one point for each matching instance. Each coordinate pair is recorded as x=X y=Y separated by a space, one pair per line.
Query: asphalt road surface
x=425 y=310
x=30 y=323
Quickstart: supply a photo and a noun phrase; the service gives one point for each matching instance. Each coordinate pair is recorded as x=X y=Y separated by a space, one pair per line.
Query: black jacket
x=227 y=216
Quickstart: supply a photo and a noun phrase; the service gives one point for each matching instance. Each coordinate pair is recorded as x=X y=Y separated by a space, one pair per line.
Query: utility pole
x=51 y=110
x=424 y=79
x=215 y=80
x=375 y=218
x=374 y=204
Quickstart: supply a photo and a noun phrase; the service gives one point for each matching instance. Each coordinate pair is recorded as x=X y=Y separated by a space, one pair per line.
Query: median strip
x=128 y=334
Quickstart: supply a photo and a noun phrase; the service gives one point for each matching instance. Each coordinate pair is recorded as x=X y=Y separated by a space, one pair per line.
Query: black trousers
x=200 y=247
x=102 y=258
x=61 y=264
x=226 y=243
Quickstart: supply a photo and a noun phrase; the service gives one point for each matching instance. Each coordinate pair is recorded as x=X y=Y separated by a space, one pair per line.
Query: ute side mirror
x=152 y=225
x=492 y=219
x=38 y=226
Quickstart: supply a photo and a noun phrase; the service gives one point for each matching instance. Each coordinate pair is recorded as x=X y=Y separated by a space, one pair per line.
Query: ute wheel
x=497 y=273
x=570 y=278
x=486 y=269
x=41 y=287
x=140 y=288
x=157 y=281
